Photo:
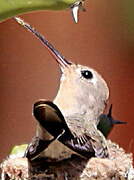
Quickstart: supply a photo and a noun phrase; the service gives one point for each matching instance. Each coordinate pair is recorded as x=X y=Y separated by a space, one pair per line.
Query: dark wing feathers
x=36 y=146
x=50 y=117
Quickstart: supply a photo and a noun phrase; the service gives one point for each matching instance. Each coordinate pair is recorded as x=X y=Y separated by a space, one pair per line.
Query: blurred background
x=103 y=39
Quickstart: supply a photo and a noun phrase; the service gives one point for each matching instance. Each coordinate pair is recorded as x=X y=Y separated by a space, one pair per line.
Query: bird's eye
x=87 y=74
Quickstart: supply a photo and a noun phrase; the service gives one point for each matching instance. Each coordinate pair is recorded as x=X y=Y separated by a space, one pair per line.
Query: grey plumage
x=81 y=98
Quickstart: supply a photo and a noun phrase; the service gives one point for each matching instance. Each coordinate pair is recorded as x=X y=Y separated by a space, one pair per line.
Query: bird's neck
x=72 y=104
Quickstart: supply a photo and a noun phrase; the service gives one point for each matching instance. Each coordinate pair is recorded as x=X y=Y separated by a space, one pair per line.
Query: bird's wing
x=51 y=119
x=36 y=146
x=87 y=142
x=48 y=116
x=98 y=143
x=87 y=138
x=53 y=126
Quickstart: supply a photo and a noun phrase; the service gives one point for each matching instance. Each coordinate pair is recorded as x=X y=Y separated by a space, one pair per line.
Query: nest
x=118 y=167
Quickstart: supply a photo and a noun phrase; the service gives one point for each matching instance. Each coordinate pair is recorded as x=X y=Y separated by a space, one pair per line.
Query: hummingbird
x=107 y=122
x=68 y=125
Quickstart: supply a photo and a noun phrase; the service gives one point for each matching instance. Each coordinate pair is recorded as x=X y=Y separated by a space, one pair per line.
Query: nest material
x=118 y=167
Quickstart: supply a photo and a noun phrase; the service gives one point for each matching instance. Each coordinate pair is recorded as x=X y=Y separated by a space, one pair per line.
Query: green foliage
x=18 y=150
x=10 y=8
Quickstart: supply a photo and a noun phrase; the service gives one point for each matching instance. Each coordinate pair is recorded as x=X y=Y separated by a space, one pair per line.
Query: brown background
x=103 y=39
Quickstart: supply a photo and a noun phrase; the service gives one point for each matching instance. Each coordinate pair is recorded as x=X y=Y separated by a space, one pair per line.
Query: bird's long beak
x=114 y=121
x=55 y=53
x=118 y=122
